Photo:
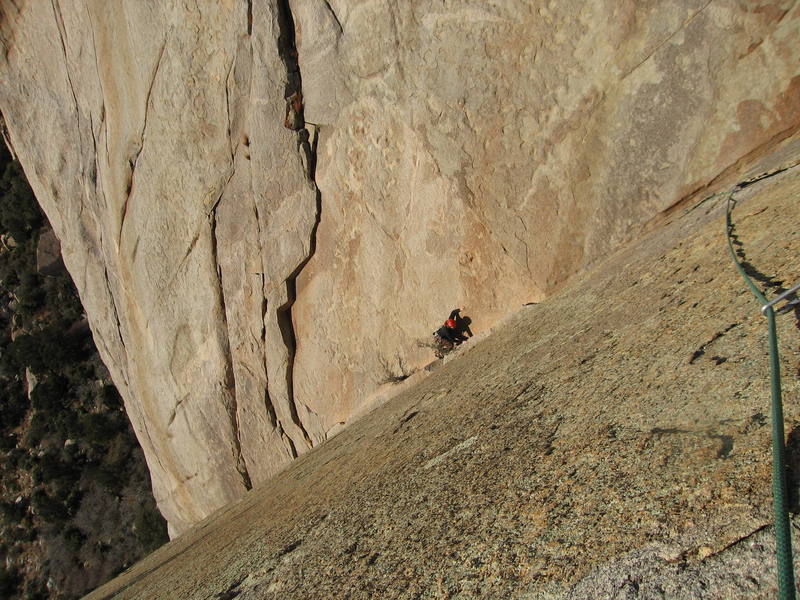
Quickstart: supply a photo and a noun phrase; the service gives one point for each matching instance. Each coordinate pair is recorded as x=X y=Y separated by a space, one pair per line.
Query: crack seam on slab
x=230 y=380
x=175 y=408
x=284 y=312
x=701 y=350
x=723 y=173
x=134 y=159
x=737 y=541
x=524 y=243
x=335 y=17
x=62 y=38
x=96 y=169
x=269 y=406
x=117 y=320
x=59 y=19
x=102 y=91
x=231 y=148
x=683 y=26
x=208 y=213
x=287 y=51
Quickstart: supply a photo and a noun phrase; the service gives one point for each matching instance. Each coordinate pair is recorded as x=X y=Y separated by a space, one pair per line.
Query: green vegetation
x=75 y=498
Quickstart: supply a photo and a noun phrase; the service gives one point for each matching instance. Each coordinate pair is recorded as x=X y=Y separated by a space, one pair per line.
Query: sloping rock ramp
x=610 y=442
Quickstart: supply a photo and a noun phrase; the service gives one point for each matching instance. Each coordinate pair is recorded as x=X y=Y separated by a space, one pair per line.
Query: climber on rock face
x=451 y=334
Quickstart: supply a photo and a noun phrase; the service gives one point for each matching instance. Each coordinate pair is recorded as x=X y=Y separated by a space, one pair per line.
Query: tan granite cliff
x=253 y=268
x=610 y=442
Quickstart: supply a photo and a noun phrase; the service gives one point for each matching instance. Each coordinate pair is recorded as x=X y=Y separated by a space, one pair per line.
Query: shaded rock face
x=48 y=254
x=248 y=263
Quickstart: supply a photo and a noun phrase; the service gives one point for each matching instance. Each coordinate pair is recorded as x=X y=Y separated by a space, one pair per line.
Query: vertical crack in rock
x=95 y=166
x=230 y=381
x=134 y=159
x=268 y=405
x=147 y=103
x=287 y=48
x=62 y=38
x=117 y=321
x=333 y=14
x=59 y=19
x=293 y=94
x=231 y=148
x=524 y=243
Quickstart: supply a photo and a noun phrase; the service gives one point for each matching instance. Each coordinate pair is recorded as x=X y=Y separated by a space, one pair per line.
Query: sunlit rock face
x=255 y=267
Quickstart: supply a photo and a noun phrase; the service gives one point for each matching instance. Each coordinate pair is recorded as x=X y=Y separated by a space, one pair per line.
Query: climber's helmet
x=451 y=323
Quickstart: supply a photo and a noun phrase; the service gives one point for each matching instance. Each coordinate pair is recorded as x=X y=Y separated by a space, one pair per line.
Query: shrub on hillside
x=75 y=510
x=10 y=581
x=99 y=428
x=47 y=350
x=19 y=214
x=151 y=529
x=73 y=539
x=13 y=512
x=49 y=509
x=38 y=428
x=13 y=407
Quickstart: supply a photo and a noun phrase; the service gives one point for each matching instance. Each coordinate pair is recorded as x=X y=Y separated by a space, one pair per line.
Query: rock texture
x=156 y=144
x=610 y=442
x=266 y=203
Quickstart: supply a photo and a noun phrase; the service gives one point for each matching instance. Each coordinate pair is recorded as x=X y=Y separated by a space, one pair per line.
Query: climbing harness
x=786 y=586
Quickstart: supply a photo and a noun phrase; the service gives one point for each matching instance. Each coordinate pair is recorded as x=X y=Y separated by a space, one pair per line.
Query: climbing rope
x=786 y=586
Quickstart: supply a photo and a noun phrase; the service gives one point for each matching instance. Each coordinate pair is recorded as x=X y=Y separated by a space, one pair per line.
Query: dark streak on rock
x=702 y=349
x=726 y=440
x=268 y=405
x=748 y=182
x=405 y=419
x=409 y=416
x=188 y=250
x=289 y=548
x=287 y=48
x=293 y=94
x=249 y=17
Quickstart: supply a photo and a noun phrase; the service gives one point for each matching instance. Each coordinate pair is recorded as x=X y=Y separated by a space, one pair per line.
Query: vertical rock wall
x=153 y=134
x=481 y=153
x=253 y=272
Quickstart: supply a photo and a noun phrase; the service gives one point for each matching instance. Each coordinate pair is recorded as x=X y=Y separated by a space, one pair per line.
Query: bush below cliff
x=75 y=500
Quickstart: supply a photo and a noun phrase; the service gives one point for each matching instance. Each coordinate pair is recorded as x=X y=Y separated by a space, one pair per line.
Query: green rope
x=786 y=586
